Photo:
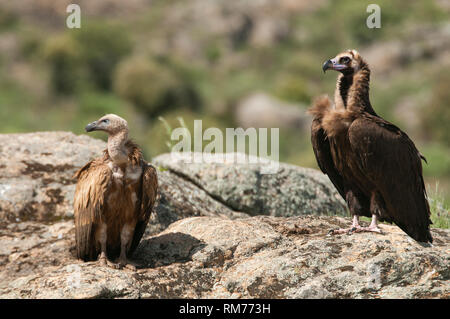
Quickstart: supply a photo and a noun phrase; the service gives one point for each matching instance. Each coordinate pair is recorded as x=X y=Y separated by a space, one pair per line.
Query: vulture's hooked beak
x=327 y=65
x=91 y=127
x=333 y=65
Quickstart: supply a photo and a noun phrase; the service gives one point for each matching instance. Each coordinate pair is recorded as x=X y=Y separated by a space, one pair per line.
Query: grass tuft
x=440 y=215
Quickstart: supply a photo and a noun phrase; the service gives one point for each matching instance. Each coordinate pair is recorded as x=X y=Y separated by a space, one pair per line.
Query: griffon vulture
x=114 y=197
x=373 y=164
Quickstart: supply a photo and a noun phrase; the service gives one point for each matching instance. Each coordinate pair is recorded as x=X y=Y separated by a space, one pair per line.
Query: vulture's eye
x=344 y=59
x=105 y=121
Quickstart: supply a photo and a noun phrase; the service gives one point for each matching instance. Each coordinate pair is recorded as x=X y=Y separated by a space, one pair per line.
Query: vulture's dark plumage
x=114 y=198
x=373 y=164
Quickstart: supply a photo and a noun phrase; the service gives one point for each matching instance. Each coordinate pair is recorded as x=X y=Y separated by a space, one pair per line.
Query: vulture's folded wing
x=92 y=186
x=148 y=199
x=322 y=151
x=391 y=162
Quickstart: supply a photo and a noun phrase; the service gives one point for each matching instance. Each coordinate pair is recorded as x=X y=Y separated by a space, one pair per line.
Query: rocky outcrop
x=36 y=173
x=244 y=187
x=207 y=237
x=212 y=257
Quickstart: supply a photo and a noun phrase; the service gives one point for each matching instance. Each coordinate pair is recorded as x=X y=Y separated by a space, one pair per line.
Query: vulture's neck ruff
x=117 y=150
x=353 y=88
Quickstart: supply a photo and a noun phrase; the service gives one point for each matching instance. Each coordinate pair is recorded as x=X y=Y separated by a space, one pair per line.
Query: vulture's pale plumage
x=373 y=164
x=114 y=197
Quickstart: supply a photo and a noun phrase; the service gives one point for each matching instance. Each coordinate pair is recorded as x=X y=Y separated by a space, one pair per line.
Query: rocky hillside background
x=229 y=63
x=219 y=231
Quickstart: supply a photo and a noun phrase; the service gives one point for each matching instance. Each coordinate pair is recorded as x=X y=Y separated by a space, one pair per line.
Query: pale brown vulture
x=373 y=164
x=114 y=197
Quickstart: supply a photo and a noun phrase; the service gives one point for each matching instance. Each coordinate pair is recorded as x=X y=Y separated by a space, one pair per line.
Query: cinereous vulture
x=373 y=164
x=114 y=198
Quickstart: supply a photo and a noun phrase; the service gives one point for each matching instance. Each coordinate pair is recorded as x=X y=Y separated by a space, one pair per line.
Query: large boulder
x=212 y=257
x=244 y=187
x=180 y=198
x=36 y=171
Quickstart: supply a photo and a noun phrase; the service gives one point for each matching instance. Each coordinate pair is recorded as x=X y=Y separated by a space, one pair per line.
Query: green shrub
x=8 y=19
x=31 y=42
x=152 y=87
x=85 y=57
x=102 y=46
x=62 y=54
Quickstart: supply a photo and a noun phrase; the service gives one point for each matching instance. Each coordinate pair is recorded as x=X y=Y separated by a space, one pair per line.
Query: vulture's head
x=347 y=62
x=109 y=123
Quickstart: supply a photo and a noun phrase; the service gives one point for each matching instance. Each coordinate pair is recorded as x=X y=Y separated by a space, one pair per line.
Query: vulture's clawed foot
x=355 y=229
x=127 y=264
x=105 y=262
x=371 y=229
x=340 y=231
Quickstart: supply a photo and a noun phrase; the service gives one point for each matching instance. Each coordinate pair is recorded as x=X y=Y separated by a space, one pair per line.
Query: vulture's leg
x=101 y=237
x=359 y=205
x=376 y=207
x=373 y=227
x=126 y=237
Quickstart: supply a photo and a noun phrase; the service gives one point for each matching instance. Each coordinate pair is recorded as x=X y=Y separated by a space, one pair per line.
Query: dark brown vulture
x=373 y=164
x=114 y=197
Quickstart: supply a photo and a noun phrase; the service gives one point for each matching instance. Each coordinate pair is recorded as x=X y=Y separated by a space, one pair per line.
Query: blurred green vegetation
x=86 y=57
x=145 y=63
x=154 y=87
x=440 y=210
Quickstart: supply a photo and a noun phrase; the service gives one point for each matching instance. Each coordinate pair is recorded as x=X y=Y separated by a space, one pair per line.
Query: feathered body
x=113 y=201
x=373 y=164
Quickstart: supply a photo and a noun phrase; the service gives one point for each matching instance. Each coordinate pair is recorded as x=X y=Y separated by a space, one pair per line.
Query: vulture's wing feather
x=148 y=199
x=393 y=165
x=322 y=151
x=92 y=185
